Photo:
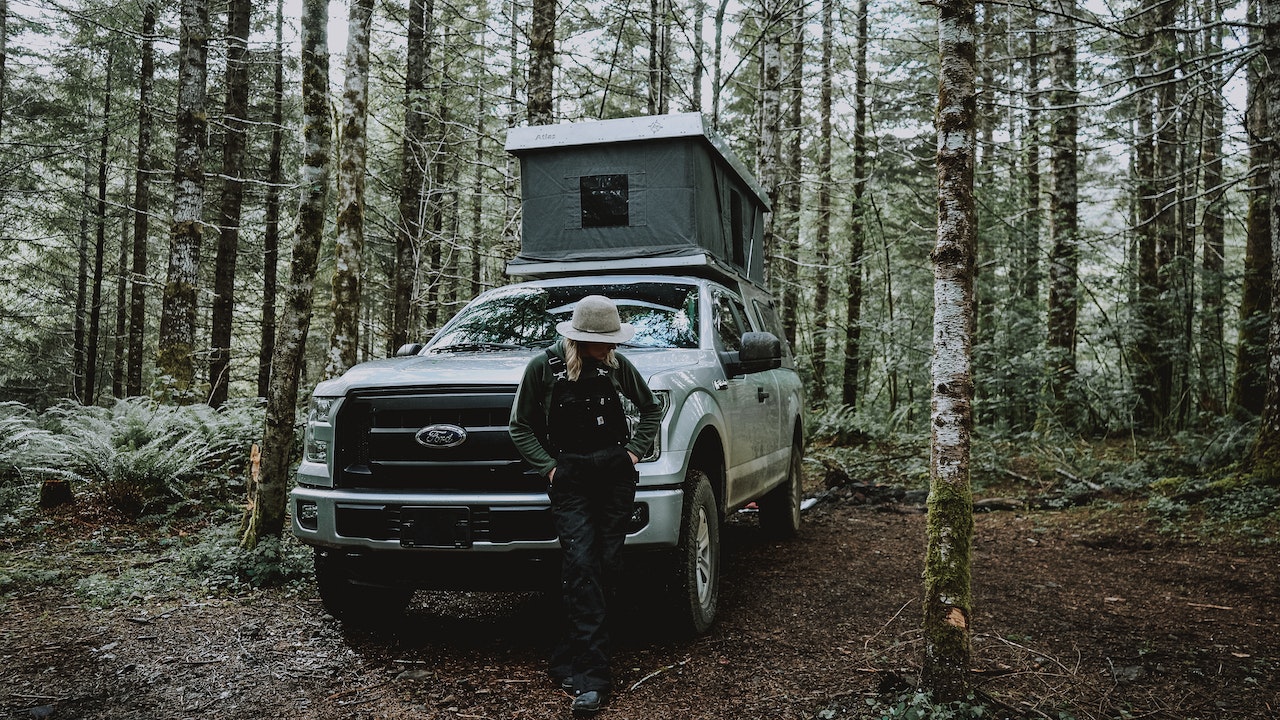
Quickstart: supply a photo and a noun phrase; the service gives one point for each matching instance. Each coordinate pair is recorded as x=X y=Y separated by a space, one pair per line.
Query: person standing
x=568 y=423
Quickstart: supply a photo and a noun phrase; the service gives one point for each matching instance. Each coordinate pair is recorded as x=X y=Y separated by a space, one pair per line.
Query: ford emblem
x=441 y=436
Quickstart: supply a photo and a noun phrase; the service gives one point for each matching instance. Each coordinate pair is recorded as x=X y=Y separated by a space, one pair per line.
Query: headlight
x=633 y=419
x=319 y=431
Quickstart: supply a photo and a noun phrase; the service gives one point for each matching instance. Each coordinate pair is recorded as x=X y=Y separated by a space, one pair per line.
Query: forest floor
x=1090 y=612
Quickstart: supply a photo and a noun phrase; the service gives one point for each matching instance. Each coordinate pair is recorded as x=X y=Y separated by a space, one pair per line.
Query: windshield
x=665 y=315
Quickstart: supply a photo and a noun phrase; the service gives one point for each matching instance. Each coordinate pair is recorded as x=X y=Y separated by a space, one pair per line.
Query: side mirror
x=760 y=351
x=409 y=349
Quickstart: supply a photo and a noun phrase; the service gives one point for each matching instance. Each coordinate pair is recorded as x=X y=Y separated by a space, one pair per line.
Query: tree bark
x=1064 y=253
x=1249 y=386
x=271 y=234
x=236 y=119
x=1266 y=452
x=141 y=203
x=267 y=509
x=788 y=263
x=413 y=160
x=947 y=593
x=99 y=245
x=770 y=152
x=344 y=340
x=176 y=357
x=542 y=58
x=858 y=210
x=1212 y=356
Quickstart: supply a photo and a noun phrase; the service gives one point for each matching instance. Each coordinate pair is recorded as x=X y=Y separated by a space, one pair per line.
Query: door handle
x=761 y=395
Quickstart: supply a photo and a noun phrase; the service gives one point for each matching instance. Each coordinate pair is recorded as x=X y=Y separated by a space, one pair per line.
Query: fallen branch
x=659 y=671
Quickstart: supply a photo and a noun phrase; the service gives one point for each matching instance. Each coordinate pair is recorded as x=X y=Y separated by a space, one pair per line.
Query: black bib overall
x=592 y=498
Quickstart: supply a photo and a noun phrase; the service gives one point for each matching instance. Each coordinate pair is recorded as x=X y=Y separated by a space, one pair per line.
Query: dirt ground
x=1087 y=612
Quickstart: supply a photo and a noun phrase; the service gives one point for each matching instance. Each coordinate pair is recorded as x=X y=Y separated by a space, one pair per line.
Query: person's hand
x=551 y=476
x=633 y=457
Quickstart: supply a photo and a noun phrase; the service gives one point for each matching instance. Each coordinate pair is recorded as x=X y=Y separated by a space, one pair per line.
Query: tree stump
x=55 y=492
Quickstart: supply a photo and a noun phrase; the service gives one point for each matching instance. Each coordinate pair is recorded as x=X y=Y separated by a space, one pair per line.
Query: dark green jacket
x=529 y=412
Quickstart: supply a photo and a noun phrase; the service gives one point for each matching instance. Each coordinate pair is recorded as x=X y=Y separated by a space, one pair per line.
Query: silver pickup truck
x=409 y=478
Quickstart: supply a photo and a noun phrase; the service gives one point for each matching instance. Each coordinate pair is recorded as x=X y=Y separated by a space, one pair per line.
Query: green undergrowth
x=1190 y=484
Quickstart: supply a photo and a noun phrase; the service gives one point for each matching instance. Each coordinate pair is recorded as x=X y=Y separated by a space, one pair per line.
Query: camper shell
x=647 y=193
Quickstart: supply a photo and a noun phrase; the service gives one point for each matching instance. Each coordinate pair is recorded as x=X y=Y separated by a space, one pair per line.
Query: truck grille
x=375 y=445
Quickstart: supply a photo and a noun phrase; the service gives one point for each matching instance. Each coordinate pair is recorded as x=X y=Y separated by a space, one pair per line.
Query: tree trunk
x=1266 y=452
x=4 y=56
x=141 y=203
x=120 y=333
x=99 y=246
x=1213 y=357
x=699 y=66
x=1029 y=272
x=947 y=595
x=1168 y=237
x=267 y=509
x=770 y=153
x=1064 y=253
x=858 y=210
x=413 y=159
x=789 y=230
x=542 y=57
x=176 y=358
x=344 y=341
x=717 y=71
x=1250 y=380
x=236 y=119
x=1146 y=310
x=271 y=234
x=82 y=285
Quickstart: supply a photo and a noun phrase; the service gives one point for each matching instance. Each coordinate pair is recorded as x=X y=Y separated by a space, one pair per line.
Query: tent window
x=605 y=201
x=736 y=229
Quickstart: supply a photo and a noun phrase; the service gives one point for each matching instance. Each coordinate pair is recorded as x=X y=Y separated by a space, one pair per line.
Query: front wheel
x=697 y=586
x=355 y=603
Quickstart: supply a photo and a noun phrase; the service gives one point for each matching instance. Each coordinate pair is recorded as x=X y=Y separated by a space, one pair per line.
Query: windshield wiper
x=477 y=347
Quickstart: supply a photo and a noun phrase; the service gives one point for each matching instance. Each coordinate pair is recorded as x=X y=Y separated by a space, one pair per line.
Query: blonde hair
x=573 y=359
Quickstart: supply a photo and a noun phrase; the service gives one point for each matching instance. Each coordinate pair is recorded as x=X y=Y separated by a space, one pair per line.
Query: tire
x=696 y=590
x=780 y=507
x=354 y=603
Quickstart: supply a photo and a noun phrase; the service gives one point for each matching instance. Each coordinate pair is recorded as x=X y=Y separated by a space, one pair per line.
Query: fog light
x=308 y=514
x=639 y=518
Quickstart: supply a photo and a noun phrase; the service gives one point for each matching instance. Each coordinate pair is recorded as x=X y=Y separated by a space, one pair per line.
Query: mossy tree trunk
x=1064 y=254
x=344 y=340
x=176 y=356
x=231 y=200
x=1266 y=453
x=947 y=598
x=1250 y=378
x=269 y=500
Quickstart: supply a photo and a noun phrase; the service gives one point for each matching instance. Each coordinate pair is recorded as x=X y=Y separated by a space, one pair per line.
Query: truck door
x=750 y=405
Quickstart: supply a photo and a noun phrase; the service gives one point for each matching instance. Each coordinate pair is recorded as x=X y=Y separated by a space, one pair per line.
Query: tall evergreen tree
x=141 y=201
x=271 y=233
x=858 y=214
x=100 y=244
x=1249 y=381
x=542 y=54
x=176 y=357
x=349 y=248
x=1064 y=255
x=267 y=510
x=414 y=158
x=1266 y=452
x=235 y=118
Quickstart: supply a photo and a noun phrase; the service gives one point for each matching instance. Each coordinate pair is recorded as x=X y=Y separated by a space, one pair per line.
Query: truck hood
x=479 y=368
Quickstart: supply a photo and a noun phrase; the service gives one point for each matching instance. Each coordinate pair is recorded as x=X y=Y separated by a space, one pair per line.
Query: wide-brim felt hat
x=595 y=319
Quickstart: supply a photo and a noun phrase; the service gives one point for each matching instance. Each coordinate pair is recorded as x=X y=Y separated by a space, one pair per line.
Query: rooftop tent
x=648 y=192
